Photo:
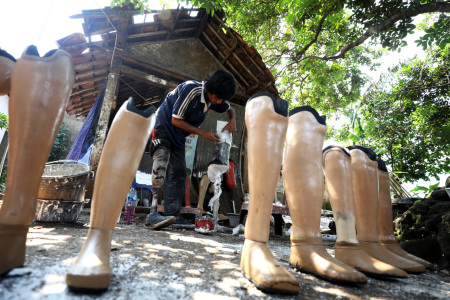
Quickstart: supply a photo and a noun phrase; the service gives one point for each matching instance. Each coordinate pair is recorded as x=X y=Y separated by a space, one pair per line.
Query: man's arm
x=231 y=126
x=207 y=135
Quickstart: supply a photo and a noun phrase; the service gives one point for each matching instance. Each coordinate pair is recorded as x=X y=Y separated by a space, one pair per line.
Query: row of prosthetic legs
x=353 y=190
x=39 y=89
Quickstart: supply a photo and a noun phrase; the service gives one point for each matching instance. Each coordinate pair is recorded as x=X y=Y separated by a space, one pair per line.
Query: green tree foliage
x=59 y=149
x=3 y=121
x=406 y=117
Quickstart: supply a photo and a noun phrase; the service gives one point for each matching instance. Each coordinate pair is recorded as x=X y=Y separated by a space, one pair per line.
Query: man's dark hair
x=222 y=84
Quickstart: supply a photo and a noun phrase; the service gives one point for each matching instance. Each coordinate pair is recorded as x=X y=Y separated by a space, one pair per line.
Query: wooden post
x=111 y=92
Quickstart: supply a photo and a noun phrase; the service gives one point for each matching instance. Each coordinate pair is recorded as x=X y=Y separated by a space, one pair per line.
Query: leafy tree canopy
x=316 y=48
x=405 y=117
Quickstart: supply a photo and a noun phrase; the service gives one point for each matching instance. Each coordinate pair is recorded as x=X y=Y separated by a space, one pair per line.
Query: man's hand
x=210 y=136
x=231 y=127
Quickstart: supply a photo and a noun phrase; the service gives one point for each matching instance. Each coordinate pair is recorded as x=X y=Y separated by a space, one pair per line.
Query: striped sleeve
x=185 y=96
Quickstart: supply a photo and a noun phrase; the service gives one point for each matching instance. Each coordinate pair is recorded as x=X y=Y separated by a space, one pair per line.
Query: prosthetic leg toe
x=261 y=268
x=156 y=222
x=376 y=250
x=91 y=272
x=352 y=255
x=12 y=250
x=311 y=257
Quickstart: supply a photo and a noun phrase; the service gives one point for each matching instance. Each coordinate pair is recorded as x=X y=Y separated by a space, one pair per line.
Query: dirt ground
x=182 y=264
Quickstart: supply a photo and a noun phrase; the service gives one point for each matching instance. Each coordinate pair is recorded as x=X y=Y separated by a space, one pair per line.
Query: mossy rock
x=440 y=194
x=431 y=222
x=427 y=248
x=422 y=207
x=443 y=236
x=414 y=233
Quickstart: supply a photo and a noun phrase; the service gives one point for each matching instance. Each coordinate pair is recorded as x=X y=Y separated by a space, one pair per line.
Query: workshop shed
x=145 y=56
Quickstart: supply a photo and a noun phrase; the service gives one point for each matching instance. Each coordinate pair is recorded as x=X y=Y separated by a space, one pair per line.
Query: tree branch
x=406 y=13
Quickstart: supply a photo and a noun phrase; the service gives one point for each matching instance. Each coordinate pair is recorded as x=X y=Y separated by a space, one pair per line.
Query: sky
x=43 y=22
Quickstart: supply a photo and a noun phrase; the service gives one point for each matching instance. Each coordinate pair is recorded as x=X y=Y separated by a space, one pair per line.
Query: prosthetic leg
x=119 y=161
x=40 y=89
x=365 y=190
x=6 y=65
x=265 y=118
x=160 y=160
x=304 y=185
x=385 y=218
x=203 y=187
x=337 y=166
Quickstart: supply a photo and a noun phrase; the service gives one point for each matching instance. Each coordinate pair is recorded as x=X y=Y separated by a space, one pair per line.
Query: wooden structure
x=146 y=56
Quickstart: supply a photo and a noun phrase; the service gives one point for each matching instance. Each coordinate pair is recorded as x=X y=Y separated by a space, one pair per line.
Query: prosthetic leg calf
x=337 y=166
x=119 y=161
x=160 y=160
x=304 y=185
x=40 y=89
x=265 y=118
x=365 y=190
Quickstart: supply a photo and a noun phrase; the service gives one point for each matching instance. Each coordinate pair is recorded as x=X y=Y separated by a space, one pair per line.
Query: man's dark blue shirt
x=187 y=102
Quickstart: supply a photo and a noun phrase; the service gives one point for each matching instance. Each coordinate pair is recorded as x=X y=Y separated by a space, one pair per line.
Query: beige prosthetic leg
x=40 y=89
x=385 y=227
x=266 y=134
x=119 y=161
x=6 y=65
x=337 y=166
x=365 y=190
x=203 y=187
x=304 y=186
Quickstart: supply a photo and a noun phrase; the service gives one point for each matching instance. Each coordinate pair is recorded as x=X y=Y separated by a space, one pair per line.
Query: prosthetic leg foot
x=40 y=89
x=118 y=164
x=154 y=220
x=265 y=118
x=365 y=190
x=304 y=184
x=385 y=218
x=337 y=166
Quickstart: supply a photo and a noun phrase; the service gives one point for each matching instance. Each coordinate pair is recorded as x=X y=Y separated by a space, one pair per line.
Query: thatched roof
x=147 y=72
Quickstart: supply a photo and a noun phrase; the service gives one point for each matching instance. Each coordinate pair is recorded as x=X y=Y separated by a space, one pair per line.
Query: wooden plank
x=92 y=72
x=202 y=25
x=145 y=77
x=175 y=21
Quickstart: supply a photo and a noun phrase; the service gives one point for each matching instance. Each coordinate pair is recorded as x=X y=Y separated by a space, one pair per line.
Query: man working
x=182 y=113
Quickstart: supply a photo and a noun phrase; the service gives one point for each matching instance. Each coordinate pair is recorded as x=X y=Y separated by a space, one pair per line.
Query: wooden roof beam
x=243 y=48
x=145 y=77
x=232 y=52
x=221 y=54
x=175 y=21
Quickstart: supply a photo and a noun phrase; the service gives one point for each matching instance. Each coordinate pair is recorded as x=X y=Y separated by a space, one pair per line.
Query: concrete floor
x=180 y=264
